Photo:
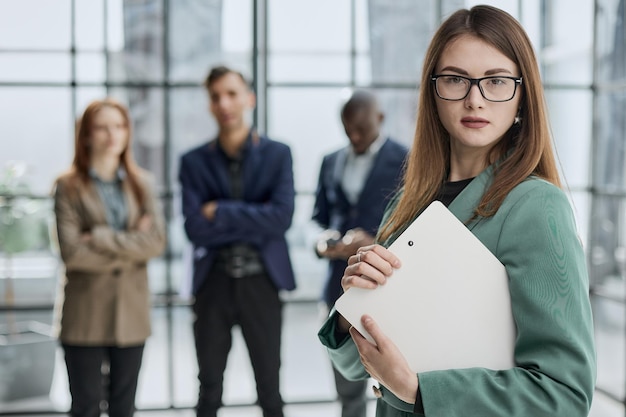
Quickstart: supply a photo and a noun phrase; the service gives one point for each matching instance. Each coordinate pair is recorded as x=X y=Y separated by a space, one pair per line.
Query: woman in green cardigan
x=482 y=146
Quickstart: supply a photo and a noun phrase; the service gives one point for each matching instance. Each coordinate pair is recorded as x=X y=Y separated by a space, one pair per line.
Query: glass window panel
x=362 y=29
x=191 y=124
x=35 y=67
x=35 y=24
x=408 y=26
x=303 y=354
x=307 y=26
x=90 y=67
x=292 y=67
x=609 y=327
x=289 y=109
x=604 y=406
x=447 y=7
x=27 y=369
x=567 y=51
x=154 y=382
x=531 y=17
x=180 y=263
x=510 y=6
x=85 y=95
x=610 y=141
x=607 y=233
x=400 y=109
x=185 y=380
x=89 y=24
x=581 y=205
x=310 y=270
x=363 y=69
x=141 y=58
x=117 y=12
x=204 y=33
x=610 y=41
x=570 y=114
x=237 y=26
x=147 y=113
x=37 y=118
x=157 y=276
x=30 y=277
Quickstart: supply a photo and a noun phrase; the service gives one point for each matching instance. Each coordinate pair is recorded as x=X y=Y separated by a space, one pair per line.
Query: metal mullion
x=105 y=44
x=168 y=211
x=259 y=58
x=607 y=192
x=604 y=295
x=254 y=60
x=265 y=55
x=73 y=70
x=313 y=84
x=34 y=51
x=353 y=52
x=611 y=395
x=122 y=84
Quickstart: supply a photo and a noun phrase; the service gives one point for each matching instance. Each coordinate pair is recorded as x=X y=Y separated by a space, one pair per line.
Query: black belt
x=239 y=261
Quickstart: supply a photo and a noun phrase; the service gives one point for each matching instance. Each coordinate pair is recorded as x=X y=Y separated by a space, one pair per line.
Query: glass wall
x=606 y=241
x=305 y=58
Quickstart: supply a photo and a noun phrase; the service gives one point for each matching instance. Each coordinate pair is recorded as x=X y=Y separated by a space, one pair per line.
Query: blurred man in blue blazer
x=238 y=202
x=355 y=185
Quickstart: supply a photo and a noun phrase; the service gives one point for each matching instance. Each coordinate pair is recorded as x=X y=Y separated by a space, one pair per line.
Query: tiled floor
x=306 y=374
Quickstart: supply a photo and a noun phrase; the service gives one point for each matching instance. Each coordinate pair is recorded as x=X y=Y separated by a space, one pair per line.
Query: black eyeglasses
x=495 y=88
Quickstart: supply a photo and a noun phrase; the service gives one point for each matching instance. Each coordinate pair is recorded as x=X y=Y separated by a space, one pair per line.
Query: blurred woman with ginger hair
x=109 y=225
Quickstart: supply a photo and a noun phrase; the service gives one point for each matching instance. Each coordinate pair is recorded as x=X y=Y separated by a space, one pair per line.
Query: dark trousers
x=351 y=393
x=253 y=303
x=90 y=386
x=352 y=396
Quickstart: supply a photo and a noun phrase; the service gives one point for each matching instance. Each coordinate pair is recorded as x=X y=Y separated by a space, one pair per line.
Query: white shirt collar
x=373 y=148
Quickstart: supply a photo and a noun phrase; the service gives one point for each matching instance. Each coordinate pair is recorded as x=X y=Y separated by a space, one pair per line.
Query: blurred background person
x=109 y=224
x=238 y=202
x=355 y=184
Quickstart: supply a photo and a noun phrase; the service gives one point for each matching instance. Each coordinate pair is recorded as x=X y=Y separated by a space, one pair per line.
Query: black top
x=451 y=189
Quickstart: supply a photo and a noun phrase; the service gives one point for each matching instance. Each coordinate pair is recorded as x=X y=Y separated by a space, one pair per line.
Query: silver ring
x=358 y=257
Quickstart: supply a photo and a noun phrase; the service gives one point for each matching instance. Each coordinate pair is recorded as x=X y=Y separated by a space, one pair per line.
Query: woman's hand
x=145 y=223
x=384 y=362
x=370 y=267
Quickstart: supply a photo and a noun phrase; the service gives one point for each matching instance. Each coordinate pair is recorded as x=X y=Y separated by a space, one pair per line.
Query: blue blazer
x=261 y=218
x=334 y=211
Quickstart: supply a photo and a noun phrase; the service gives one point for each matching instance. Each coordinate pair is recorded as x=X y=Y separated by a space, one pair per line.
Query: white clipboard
x=448 y=306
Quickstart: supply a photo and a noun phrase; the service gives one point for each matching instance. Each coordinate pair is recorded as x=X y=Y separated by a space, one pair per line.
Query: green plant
x=23 y=223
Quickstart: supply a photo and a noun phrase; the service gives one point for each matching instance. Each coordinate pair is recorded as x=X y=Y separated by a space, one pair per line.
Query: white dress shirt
x=357 y=169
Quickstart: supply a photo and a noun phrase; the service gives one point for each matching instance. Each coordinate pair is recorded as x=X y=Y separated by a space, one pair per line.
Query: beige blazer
x=106 y=297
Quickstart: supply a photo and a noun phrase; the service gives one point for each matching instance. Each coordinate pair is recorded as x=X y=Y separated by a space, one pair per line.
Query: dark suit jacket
x=334 y=211
x=261 y=218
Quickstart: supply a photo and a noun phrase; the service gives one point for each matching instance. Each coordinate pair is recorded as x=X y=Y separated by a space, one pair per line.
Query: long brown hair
x=79 y=171
x=526 y=149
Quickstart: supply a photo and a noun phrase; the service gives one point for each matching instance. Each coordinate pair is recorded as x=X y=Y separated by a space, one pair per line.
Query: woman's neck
x=105 y=167
x=466 y=166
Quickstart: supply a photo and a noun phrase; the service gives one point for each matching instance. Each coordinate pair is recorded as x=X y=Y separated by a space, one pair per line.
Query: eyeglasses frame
x=476 y=81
